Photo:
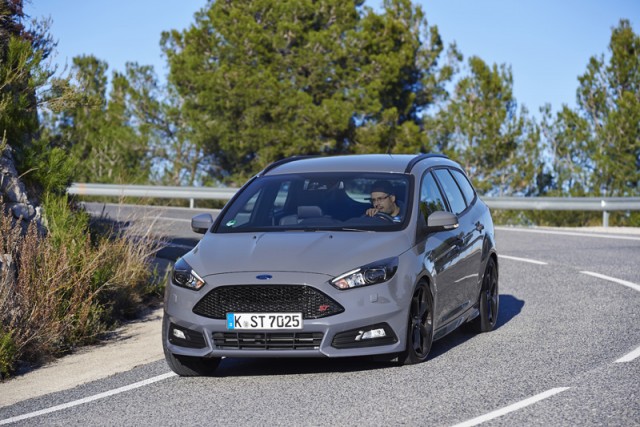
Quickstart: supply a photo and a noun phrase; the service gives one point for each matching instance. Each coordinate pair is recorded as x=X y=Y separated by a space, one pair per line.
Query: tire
x=420 y=327
x=188 y=366
x=488 y=301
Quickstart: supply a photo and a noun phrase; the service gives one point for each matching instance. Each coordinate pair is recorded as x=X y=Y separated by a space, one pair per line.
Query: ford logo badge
x=264 y=277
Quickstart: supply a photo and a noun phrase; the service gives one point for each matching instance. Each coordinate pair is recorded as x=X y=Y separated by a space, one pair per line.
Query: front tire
x=187 y=366
x=488 y=301
x=420 y=328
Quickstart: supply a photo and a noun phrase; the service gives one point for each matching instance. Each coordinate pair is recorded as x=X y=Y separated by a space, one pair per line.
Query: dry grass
x=59 y=292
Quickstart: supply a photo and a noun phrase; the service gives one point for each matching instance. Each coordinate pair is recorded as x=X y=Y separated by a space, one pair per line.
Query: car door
x=469 y=244
x=473 y=217
x=441 y=250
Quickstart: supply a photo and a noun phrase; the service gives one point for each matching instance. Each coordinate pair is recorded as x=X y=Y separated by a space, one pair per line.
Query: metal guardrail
x=153 y=191
x=605 y=205
x=565 y=203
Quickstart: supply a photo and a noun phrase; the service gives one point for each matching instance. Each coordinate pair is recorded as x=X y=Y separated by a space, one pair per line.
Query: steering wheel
x=384 y=216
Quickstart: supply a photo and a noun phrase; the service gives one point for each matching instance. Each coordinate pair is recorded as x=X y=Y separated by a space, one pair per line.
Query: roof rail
x=422 y=157
x=281 y=162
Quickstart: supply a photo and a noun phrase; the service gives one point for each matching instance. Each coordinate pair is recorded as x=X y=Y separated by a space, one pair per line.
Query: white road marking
x=635 y=353
x=511 y=408
x=629 y=357
x=613 y=279
x=87 y=399
x=568 y=233
x=531 y=261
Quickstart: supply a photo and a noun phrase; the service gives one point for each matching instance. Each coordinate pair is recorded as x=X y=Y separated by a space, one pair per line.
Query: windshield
x=320 y=201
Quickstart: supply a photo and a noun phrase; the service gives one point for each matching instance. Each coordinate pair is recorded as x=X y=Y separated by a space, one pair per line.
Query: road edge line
x=513 y=407
x=629 y=357
x=87 y=399
x=530 y=261
x=613 y=279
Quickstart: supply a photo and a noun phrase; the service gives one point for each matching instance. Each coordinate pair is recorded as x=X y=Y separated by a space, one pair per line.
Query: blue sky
x=547 y=43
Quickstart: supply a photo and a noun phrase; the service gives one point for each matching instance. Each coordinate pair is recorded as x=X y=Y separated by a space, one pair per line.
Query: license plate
x=270 y=321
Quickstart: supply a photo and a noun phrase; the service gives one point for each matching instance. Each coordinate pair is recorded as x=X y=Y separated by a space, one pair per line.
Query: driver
x=383 y=199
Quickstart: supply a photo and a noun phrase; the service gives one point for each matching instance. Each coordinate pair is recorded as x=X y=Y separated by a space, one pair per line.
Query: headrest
x=309 y=212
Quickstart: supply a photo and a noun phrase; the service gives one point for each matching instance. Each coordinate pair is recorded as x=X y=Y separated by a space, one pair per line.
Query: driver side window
x=431 y=199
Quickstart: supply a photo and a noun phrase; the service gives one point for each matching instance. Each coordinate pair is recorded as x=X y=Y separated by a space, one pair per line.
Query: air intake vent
x=267 y=341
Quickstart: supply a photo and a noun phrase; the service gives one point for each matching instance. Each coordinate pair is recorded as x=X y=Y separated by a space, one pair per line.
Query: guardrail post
x=605 y=214
x=192 y=203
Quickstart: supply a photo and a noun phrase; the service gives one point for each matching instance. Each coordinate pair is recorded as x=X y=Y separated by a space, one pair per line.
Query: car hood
x=330 y=253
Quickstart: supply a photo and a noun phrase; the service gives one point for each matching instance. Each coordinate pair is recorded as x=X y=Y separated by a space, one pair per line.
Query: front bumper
x=382 y=306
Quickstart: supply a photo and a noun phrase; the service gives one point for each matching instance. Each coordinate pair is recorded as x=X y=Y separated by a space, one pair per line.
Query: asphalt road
x=566 y=351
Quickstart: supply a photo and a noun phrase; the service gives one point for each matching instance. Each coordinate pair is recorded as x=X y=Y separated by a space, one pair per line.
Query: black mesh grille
x=267 y=341
x=312 y=303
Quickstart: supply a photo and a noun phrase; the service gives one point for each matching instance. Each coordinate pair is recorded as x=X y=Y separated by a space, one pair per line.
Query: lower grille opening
x=267 y=340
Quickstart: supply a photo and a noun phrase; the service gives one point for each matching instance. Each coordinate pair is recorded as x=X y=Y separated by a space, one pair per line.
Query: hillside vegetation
x=64 y=279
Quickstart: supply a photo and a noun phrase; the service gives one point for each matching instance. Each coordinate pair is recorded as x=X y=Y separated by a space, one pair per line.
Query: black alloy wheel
x=489 y=300
x=420 y=330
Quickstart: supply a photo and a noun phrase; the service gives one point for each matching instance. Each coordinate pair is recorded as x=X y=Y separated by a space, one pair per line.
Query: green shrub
x=66 y=288
x=7 y=353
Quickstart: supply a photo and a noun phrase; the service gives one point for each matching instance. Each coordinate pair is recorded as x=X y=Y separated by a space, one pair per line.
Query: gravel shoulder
x=136 y=343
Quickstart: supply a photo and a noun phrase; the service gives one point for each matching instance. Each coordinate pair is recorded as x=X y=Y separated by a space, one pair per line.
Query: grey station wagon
x=333 y=257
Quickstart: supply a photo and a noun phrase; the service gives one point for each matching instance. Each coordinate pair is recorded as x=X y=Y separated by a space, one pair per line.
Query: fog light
x=368 y=335
x=185 y=337
x=179 y=334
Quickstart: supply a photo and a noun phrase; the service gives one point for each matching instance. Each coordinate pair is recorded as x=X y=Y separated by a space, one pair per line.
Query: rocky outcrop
x=13 y=193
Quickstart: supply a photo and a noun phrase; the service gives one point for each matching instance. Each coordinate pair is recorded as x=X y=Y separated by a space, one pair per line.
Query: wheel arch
x=426 y=278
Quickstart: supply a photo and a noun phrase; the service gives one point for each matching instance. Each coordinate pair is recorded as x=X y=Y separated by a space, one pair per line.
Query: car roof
x=392 y=163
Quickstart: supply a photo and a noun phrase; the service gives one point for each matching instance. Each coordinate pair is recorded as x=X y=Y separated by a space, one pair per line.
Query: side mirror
x=201 y=223
x=440 y=220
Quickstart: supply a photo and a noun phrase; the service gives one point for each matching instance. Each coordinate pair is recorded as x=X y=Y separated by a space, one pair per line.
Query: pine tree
x=265 y=79
x=595 y=148
x=158 y=113
x=106 y=145
x=481 y=128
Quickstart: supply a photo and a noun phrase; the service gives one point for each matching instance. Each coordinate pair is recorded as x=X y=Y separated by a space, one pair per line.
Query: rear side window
x=451 y=191
x=465 y=185
x=431 y=199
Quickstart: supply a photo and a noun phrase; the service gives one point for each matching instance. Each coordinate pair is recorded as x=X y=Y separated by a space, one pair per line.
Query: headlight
x=370 y=274
x=183 y=275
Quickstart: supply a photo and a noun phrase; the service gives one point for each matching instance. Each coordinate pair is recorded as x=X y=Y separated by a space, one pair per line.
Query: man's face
x=383 y=202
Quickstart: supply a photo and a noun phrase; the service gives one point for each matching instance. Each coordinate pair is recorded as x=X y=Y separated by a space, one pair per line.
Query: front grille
x=309 y=301
x=267 y=341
